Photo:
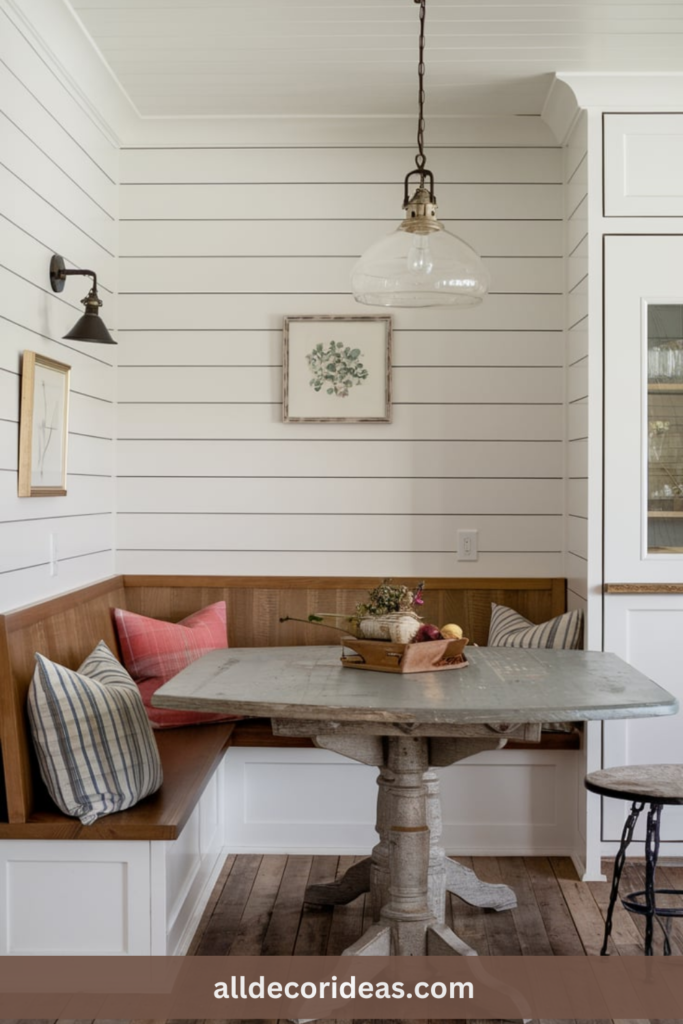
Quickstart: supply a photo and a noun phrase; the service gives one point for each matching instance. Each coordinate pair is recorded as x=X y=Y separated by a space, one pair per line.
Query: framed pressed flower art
x=337 y=369
x=43 y=426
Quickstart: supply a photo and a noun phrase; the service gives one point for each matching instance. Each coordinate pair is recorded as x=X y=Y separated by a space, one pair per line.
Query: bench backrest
x=65 y=629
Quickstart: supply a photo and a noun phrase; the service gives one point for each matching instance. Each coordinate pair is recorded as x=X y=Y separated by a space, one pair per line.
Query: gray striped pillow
x=95 y=746
x=510 y=629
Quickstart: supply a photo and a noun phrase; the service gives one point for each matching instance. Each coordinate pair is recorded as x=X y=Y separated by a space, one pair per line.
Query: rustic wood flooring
x=257 y=908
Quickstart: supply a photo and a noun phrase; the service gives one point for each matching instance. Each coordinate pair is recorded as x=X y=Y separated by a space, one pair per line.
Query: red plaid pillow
x=154 y=651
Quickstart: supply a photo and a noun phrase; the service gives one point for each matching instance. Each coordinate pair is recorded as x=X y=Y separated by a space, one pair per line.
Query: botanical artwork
x=43 y=427
x=337 y=369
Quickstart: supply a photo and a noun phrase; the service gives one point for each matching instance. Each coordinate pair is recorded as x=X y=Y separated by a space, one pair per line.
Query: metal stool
x=655 y=785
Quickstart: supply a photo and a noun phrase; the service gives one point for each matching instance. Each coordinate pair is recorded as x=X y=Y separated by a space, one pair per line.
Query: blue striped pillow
x=510 y=629
x=95 y=746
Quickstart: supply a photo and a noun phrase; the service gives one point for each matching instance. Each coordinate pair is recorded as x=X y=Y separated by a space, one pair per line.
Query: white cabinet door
x=643 y=409
x=646 y=630
x=643 y=165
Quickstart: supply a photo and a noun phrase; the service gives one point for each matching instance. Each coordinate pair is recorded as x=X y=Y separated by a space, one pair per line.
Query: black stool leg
x=651 y=855
x=626 y=837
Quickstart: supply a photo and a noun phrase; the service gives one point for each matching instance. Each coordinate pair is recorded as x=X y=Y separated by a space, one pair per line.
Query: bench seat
x=189 y=757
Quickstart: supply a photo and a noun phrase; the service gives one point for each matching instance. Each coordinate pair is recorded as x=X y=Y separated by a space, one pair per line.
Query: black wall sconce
x=90 y=327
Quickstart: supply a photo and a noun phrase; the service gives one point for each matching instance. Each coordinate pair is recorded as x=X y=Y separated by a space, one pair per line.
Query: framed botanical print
x=43 y=426
x=337 y=369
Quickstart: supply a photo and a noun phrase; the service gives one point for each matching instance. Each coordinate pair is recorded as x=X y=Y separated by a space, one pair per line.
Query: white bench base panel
x=119 y=898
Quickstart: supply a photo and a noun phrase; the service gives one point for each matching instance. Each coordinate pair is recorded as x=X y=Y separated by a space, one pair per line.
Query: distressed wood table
x=407 y=725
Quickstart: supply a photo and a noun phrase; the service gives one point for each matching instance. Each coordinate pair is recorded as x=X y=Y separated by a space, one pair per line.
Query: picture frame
x=43 y=426
x=337 y=369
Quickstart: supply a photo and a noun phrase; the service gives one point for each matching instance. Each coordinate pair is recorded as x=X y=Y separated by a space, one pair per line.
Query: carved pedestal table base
x=408 y=873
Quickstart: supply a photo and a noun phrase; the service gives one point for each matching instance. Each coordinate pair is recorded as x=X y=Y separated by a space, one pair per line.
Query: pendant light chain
x=420 y=159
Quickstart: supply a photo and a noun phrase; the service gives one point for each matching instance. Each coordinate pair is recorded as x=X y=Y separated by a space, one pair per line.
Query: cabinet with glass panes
x=665 y=428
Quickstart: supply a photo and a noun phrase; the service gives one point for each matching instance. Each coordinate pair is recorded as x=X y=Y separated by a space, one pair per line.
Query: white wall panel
x=263 y=312
x=349 y=237
x=334 y=563
x=278 y=165
x=576 y=381
x=58 y=193
x=263 y=420
x=410 y=348
x=410 y=384
x=278 y=532
x=218 y=245
x=283 y=274
x=36 y=75
x=301 y=495
x=339 y=458
x=294 y=201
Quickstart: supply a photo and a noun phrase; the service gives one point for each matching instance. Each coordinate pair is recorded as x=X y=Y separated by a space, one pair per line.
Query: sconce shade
x=90 y=327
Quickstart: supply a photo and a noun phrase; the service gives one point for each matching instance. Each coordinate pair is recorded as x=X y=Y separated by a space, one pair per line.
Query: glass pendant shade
x=411 y=268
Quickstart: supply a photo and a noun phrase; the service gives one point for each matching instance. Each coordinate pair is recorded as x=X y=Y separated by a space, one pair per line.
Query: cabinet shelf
x=675 y=388
x=664 y=515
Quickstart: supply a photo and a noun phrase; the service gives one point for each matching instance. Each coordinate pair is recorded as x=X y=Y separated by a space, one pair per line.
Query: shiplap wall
x=576 y=248
x=58 y=193
x=217 y=245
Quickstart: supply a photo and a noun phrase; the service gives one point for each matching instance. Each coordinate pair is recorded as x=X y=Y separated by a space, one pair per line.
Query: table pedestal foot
x=376 y=941
x=353 y=883
x=463 y=882
x=441 y=941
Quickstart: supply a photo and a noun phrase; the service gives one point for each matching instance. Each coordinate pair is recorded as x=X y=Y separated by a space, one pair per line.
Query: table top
x=500 y=684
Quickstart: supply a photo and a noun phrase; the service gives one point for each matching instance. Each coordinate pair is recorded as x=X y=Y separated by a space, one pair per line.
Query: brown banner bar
x=257 y=988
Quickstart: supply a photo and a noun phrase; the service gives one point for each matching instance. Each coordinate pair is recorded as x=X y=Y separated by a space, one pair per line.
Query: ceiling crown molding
x=57 y=35
x=637 y=91
x=560 y=110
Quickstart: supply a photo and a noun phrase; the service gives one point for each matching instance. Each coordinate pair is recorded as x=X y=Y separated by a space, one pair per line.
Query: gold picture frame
x=43 y=426
x=336 y=369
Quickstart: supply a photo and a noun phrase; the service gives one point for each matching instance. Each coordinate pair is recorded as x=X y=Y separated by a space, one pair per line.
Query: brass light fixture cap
x=420 y=218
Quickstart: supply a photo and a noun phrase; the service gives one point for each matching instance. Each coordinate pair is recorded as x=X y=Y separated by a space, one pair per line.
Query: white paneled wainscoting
x=222 y=239
x=58 y=193
x=502 y=803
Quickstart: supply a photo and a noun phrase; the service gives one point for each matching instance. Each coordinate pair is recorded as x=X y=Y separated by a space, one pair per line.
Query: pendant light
x=420 y=263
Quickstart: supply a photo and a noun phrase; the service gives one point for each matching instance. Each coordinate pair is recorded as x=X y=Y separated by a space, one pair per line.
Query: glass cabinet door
x=665 y=428
x=643 y=411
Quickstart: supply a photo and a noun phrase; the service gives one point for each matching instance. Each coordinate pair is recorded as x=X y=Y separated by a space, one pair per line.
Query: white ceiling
x=329 y=57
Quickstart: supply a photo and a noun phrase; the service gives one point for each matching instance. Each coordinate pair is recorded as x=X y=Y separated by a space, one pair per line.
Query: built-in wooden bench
x=182 y=824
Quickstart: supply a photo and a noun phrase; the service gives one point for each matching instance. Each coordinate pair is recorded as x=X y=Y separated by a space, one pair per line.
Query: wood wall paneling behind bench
x=576 y=269
x=58 y=193
x=218 y=243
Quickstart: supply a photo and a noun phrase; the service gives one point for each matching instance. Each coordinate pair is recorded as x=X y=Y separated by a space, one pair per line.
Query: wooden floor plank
x=562 y=933
x=468 y=922
x=211 y=905
x=533 y=938
x=259 y=907
x=225 y=919
x=624 y=932
x=316 y=921
x=500 y=926
x=585 y=912
x=281 y=933
x=347 y=919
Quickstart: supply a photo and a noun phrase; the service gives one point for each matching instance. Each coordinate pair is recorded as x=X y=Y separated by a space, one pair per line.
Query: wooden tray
x=385 y=656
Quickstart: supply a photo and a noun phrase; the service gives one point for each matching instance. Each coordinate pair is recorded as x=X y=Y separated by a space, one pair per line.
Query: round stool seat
x=644 y=783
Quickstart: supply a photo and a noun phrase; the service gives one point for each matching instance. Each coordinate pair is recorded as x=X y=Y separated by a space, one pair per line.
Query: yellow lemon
x=451 y=631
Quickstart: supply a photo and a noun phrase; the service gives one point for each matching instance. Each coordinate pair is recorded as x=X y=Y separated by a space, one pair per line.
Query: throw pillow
x=154 y=651
x=510 y=629
x=96 y=750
